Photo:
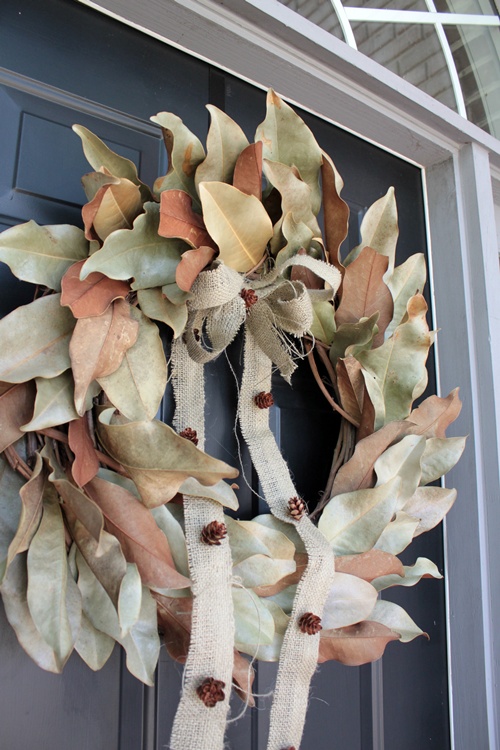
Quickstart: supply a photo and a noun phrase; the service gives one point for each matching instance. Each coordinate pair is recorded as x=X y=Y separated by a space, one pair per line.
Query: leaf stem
x=103 y=458
x=324 y=390
x=16 y=462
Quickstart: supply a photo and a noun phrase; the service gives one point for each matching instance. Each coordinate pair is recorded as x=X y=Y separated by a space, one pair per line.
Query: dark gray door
x=62 y=63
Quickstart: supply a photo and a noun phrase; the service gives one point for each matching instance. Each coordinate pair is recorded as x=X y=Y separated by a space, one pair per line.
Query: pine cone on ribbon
x=297 y=508
x=310 y=623
x=211 y=691
x=213 y=532
x=190 y=434
x=249 y=297
x=264 y=400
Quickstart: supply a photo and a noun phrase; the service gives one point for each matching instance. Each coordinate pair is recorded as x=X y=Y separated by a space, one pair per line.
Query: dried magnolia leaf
x=350 y=600
x=394 y=617
x=129 y=599
x=358 y=472
x=423 y=568
x=405 y=281
x=289 y=580
x=370 y=565
x=184 y=151
x=34 y=340
x=429 y=505
x=336 y=211
x=297 y=234
x=247 y=538
x=31 y=494
x=178 y=220
x=142 y=541
x=98 y=346
x=379 y=229
x=86 y=464
x=93 y=295
x=192 y=263
x=393 y=371
x=114 y=206
x=296 y=195
x=155 y=305
x=254 y=624
x=93 y=646
x=440 y=455
x=42 y=255
x=169 y=519
x=139 y=253
x=248 y=170
x=268 y=651
x=403 y=460
x=351 y=386
x=364 y=292
x=54 y=403
x=174 y=618
x=237 y=222
x=16 y=407
x=225 y=142
x=136 y=388
x=99 y=155
x=261 y=570
x=323 y=326
x=349 y=339
x=10 y=509
x=157 y=459
x=287 y=139
x=398 y=534
x=243 y=677
x=356 y=644
x=435 y=414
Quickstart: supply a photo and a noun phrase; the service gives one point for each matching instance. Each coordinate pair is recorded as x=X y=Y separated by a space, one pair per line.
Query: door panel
x=64 y=63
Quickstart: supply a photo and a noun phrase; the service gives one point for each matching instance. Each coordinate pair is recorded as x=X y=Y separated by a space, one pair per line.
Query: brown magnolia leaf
x=98 y=346
x=283 y=583
x=351 y=385
x=358 y=473
x=93 y=295
x=114 y=206
x=86 y=464
x=365 y=293
x=248 y=170
x=367 y=421
x=243 y=677
x=308 y=277
x=143 y=543
x=355 y=644
x=368 y=565
x=336 y=212
x=178 y=220
x=435 y=414
x=16 y=409
x=192 y=262
x=32 y=494
x=174 y=619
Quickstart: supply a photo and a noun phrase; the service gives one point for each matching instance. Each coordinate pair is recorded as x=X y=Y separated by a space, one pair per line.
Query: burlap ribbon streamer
x=211 y=650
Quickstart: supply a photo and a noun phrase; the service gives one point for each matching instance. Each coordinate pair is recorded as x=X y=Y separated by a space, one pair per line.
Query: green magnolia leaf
x=352 y=338
x=394 y=370
x=31 y=494
x=323 y=327
x=53 y=598
x=42 y=255
x=157 y=459
x=353 y=522
x=379 y=229
x=270 y=652
x=99 y=155
x=169 y=519
x=225 y=142
x=221 y=492
x=260 y=570
x=130 y=599
x=398 y=534
x=155 y=305
x=16 y=406
x=404 y=281
x=137 y=386
x=394 y=617
x=184 y=151
x=350 y=600
x=139 y=253
x=254 y=624
x=34 y=340
x=10 y=509
x=287 y=139
x=93 y=647
x=250 y=538
x=54 y=404
x=423 y=568
x=440 y=455
x=429 y=505
x=13 y=591
x=296 y=195
x=402 y=460
x=237 y=222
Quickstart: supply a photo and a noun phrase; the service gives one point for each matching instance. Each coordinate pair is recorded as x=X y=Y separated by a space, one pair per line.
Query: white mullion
x=344 y=23
x=388 y=15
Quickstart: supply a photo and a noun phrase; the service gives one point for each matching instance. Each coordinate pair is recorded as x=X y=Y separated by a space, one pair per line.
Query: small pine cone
x=310 y=624
x=211 y=691
x=249 y=297
x=264 y=400
x=190 y=434
x=297 y=508
x=213 y=532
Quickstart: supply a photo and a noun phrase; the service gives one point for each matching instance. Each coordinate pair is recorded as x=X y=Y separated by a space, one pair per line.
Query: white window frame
x=461 y=174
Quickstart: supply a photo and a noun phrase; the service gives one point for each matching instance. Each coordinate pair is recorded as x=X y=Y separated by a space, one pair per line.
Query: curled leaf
x=93 y=295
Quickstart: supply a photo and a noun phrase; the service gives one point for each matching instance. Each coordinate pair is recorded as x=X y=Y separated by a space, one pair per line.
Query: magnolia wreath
x=114 y=524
